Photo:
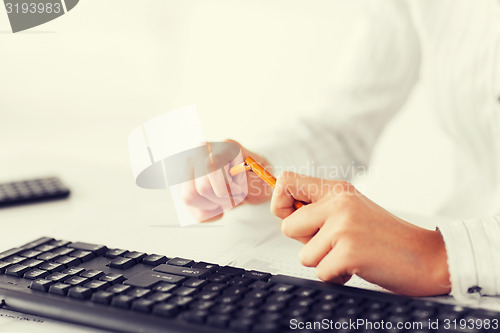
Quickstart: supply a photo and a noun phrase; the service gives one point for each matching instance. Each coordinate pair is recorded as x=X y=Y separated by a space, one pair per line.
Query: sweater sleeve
x=473 y=249
x=372 y=81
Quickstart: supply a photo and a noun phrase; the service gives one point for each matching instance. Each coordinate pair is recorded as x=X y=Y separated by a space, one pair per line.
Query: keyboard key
x=194 y=283
x=67 y=261
x=328 y=296
x=30 y=254
x=261 y=285
x=269 y=317
x=180 y=262
x=282 y=288
x=137 y=256
x=102 y=297
x=82 y=255
x=228 y=270
x=241 y=324
x=16 y=260
x=165 y=287
x=249 y=303
x=305 y=292
x=122 y=263
x=240 y=281
x=302 y=302
x=219 y=278
x=112 y=278
x=297 y=312
x=201 y=305
x=45 y=248
x=228 y=299
x=274 y=307
x=113 y=253
x=258 y=293
x=279 y=297
x=59 y=289
x=217 y=287
x=59 y=243
x=74 y=270
x=35 y=274
x=63 y=251
x=97 y=249
x=159 y=297
x=154 y=260
x=97 y=285
x=118 y=288
x=16 y=270
x=257 y=275
x=197 y=317
x=4 y=265
x=75 y=280
x=236 y=290
x=52 y=267
x=248 y=313
x=92 y=274
x=218 y=321
x=326 y=306
x=41 y=284
x=184 y=291
x=47 y=256
x=207 y=295
x=205 y=265
x=9 y=253
x=224 y=309
x=180 y=300
x=58 y=276
x=142 y=305
x=32 y=263
x=166 y=310
x=80 y=292
x=182 y=271
x=148 y=279
x=122 y=301
x=138 y=292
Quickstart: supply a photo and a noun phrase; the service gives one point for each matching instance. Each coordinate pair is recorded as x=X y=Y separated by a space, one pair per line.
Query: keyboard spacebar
x=182 y=271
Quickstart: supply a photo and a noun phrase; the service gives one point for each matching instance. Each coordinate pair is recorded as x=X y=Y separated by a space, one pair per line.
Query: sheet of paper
x=279 y=255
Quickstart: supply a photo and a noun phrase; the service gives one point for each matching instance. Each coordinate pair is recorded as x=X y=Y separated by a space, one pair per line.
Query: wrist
x=439 y=271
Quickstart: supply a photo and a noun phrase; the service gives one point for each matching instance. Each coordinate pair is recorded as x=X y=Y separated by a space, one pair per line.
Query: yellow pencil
x=251 y=165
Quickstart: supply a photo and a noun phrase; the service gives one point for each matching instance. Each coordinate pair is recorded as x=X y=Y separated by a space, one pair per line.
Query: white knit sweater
x=454 y=46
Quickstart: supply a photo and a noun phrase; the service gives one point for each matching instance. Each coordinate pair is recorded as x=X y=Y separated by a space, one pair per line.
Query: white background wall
x=74 y=88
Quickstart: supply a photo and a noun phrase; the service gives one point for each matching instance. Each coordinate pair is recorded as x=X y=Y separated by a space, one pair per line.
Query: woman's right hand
x=207 y=196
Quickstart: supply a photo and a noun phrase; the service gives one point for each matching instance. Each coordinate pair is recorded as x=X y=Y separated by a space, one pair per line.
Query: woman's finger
x=304 y=223
x=335 y=266
x=317 y=248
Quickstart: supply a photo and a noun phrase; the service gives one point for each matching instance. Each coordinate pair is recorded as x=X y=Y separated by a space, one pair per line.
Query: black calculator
x=32 y=190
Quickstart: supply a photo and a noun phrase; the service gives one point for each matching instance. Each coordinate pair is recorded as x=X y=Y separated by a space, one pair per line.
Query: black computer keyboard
x=130 y=291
